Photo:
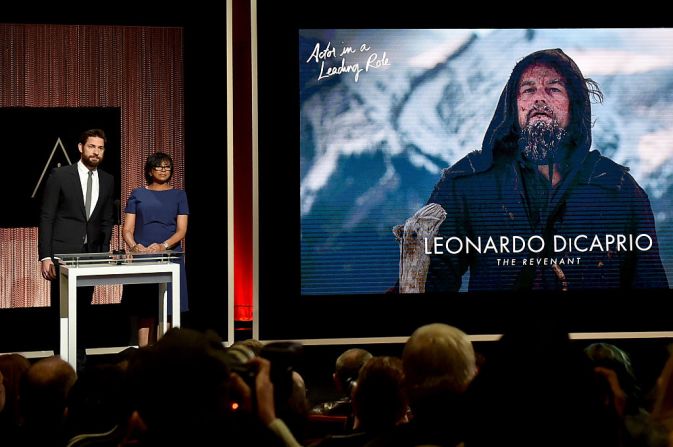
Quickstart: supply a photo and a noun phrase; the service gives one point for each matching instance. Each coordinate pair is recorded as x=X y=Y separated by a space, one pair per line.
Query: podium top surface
x=101 y=259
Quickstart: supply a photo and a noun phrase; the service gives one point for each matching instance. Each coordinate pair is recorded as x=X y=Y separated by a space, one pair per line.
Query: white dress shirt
x=83 y=172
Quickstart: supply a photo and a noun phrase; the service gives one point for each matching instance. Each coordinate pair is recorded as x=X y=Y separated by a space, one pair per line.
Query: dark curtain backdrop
x=139 y=69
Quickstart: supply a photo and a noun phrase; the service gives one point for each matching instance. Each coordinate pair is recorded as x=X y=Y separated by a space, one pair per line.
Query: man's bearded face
x=92 y=151
x=544 y=112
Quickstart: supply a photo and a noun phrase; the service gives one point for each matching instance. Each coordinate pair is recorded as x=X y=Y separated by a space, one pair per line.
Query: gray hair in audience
x=438 y=357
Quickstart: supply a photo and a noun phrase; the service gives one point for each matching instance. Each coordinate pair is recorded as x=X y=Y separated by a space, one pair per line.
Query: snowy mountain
x=372 y=150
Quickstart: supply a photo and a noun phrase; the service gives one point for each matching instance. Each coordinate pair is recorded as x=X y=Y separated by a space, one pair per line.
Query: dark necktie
x=89 y=187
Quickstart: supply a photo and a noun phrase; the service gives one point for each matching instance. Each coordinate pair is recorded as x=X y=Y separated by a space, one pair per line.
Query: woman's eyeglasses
x=161 y=168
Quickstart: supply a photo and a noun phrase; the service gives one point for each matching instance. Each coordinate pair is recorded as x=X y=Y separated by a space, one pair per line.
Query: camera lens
x=237 y=357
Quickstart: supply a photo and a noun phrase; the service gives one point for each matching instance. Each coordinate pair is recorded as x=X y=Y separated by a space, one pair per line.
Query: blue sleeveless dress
x=156 y=220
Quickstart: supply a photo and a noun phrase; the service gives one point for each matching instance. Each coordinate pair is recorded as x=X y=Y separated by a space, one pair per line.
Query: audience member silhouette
x=180 y=390
x=12 y=368
x=657 y=430
x=538 y=388
x=345 y=374
x=98 y=404
x=289 y=395
x=378 y=403
x=44 y=389
x=622 y=391
x=439 y=363
x=295 y=411
x=183 y=393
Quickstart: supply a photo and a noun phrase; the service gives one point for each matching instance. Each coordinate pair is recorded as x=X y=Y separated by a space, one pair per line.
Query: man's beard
x=90 y=162
x=541 y=142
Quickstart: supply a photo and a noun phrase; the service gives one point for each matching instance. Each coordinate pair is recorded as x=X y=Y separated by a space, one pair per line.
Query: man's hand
x=48 y=269
x=264 y=400
x=138 y=248
x=618 y=394
x=241 y=392
x=264 y=391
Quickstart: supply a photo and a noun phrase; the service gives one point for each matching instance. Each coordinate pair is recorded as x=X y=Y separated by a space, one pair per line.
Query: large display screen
x=384 y=113
x=441 y=174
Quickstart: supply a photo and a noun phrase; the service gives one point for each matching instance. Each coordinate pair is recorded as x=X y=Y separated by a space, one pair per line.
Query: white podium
x=94 y=269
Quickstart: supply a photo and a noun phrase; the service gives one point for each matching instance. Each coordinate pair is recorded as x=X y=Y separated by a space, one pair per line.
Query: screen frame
x=282 y=313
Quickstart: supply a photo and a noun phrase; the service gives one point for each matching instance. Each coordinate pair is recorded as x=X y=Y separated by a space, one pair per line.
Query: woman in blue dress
x=155 y=220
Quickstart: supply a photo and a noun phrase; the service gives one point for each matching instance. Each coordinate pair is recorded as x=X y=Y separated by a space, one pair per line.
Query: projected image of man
x=536 y=179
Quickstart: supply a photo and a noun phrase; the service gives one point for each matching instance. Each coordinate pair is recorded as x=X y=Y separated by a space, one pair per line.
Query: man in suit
x=77 y=215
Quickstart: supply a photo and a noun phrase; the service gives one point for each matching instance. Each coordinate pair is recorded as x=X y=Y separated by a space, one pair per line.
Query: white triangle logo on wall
x=58 y=143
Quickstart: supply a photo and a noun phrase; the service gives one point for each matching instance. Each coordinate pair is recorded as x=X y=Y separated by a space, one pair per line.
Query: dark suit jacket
x=63 y=224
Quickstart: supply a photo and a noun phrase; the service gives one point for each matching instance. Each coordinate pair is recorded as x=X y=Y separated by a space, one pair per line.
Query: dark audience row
x=537 y=388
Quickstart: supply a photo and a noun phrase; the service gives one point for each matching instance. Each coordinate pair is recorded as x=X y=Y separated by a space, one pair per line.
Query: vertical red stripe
x=242 y=161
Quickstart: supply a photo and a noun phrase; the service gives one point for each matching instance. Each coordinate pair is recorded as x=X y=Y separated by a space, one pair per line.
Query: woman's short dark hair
x=156 y=159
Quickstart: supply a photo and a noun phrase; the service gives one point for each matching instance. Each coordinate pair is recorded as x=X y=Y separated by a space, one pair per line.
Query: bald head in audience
x=51 y=376
x=438 y=357
x=348 y=366
x=44 y=389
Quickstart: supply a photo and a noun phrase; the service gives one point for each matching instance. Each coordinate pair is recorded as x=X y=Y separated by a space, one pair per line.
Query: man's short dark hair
x=99 y=133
